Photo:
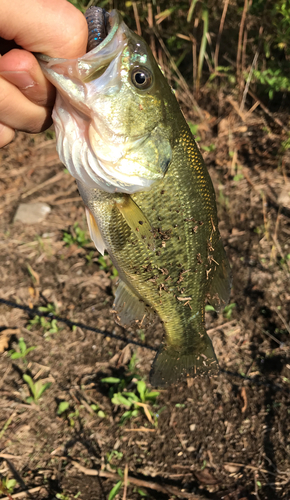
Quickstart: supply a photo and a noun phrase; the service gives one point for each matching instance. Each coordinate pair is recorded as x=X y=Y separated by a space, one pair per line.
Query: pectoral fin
x=95 y=233
x=136 y=220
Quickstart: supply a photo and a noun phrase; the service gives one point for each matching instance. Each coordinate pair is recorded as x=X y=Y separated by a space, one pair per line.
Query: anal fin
x=220 y=287
x=136 y=220
x=128 y=307
x=95 y=233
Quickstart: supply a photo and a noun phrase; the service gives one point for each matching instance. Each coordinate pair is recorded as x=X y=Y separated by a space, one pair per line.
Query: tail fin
x=169 y=366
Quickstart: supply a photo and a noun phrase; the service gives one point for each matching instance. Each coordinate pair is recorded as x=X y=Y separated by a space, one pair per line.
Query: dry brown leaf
x=205 y=477
x=34 y=274
x=4 y=341
x=5 y=337
x=244 y=396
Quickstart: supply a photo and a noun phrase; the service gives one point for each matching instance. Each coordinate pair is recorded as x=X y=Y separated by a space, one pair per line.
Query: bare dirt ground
x=222 y=438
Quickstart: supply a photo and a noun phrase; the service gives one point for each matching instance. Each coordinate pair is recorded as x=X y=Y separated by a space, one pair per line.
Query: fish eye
x=141 y=78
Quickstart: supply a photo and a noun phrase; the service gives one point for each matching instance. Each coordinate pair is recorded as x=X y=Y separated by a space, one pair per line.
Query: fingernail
x=21 y=79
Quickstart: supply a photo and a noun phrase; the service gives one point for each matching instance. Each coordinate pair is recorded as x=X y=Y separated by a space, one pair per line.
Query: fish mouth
x=107 y=35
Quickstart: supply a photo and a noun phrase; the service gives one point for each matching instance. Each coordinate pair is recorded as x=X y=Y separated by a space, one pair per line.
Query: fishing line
x=36 y=312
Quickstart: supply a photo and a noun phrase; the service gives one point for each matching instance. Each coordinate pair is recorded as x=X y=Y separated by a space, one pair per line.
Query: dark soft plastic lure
x=97 y=23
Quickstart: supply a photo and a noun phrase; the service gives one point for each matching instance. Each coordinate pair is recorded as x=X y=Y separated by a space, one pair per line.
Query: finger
x=55 y=28
x=22 y=69
x=17 y=112
x=6 y=135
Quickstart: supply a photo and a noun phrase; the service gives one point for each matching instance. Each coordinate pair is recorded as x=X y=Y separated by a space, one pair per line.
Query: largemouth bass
x=149 y=198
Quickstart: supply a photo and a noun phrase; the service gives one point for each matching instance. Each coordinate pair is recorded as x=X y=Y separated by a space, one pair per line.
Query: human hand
x=52 y=27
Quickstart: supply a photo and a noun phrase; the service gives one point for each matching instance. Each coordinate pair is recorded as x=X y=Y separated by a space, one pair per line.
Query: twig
x=169 y=490
x=256 y=485
x=194 y=61
x=140 y=429
x=146 y=411
x=7 y=423
x=24 y=494
x=182 y=81
x=271 y=336
x=125 y=482
x=151 y=24
x=5 y=375
x=221 y=327
x=217 y=47
x=7 y=456
x=282 y=319
x=137 y=20
x=252 y=467
x=246 y=89
x=53 y=179
x=241 y=30
x=266 y=110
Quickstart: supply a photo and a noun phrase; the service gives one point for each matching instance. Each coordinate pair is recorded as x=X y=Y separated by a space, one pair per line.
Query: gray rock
x=31 y=213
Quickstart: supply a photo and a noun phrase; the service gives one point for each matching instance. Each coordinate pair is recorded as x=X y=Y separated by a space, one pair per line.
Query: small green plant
x=141 y=492
x=115 y=490
x=141 y=334
x=62 y=496
x=228 y=310
x=239 y=175
x=89 y=257
x=285 y=262
x=209 y=308
x=225 y=71
x=209 y=148
x=98 y=411
x=118 y=455
x=22 y=351
x=136 y=402
x=76 y=237
x=105 y=264
x=273 y=80
x=110 y=457
x=222 y=199
x=36 y=389
x=73 y=416
x=7 y=485
x=50 y=326
x=62 y=407
x=194 y=129
x=81 y=5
